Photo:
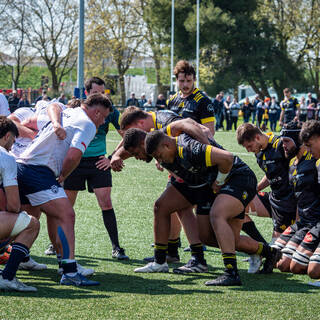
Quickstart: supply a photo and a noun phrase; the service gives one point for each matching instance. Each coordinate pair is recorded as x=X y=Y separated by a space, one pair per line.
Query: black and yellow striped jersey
x=163 y=118
x=273 y=162
x=289 y=106
x=193 y=162
x=304 y=177
x=196 y=106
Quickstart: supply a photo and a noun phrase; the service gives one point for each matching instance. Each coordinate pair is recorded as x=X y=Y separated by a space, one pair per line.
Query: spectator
x=234 y=109
x=44 y=93
x=4 y=105
x=161 y=102
x=289 y=108
x=13 y=101
x=143 y=100
x=254 y=108
x=273 y=114
x=132 y=101
x=303 y=109
x=147 y=105
x=311 y=107
x=23 y=102
x=265 y=116
x=218 y=111
x=259 y=113
x=317 y=113
x=226 y=108
x=246 y=110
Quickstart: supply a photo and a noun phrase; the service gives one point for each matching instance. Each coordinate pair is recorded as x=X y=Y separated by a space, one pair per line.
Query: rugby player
x=309 y=249
x=94 y=168
x=193 y=161
x=136 y=118
x=290 y=108
x=47 y=162
x=15 y=225
x=303 y=175
x=272 y=159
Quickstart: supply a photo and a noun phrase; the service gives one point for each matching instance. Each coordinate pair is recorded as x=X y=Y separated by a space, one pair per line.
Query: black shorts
x=295 y=232
x=87 y=171
x=203 y=196
x=312 y=239
x=242 y=186
x=281 y=219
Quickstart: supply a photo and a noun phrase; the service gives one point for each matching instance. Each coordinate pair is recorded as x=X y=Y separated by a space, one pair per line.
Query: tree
x=114 y=30
x=297 y=25
x=50 y=26
x=15 y=42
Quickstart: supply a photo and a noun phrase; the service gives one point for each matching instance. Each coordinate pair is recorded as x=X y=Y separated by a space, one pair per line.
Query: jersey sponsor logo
x=54 y=189
x=84 y=145
x=210 y=108
x=283 y=227
x=308 y=237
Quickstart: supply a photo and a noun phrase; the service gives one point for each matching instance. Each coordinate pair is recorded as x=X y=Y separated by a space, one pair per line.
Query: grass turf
x=126 y=295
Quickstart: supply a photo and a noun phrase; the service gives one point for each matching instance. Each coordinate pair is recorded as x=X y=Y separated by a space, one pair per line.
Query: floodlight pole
x=172 y=44
x=198 y=41
x=80 y=72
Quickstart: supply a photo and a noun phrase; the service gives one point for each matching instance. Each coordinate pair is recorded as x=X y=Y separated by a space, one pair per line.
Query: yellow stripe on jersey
x=275 y=144
x=270 y=138
x=292 y=161
x=309 y=156
x=180 y=152
x=195 y=90
x=264 y=157
x=169 y=130
x=318 y=163
x=206 y=120
x=208 y=156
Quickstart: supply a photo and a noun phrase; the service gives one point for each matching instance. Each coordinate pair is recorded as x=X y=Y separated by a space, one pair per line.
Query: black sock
x=110 y=222
x=230 y=263
x=18 y=252
x=69 y=267
x=160 y=253
x=264 y=250
x=251 y=230
x=197 y=252
x=173 y=245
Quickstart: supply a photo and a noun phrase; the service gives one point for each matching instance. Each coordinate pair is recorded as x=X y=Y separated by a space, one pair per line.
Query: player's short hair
x=247 y=132
x=7 y=125
x=131 y=115
x=153 y=141
x=286 y=90
x=309 y=129
x=74 y=103
x=133 y=138
x=185 y=67
x=98 y=99
x=88 y=84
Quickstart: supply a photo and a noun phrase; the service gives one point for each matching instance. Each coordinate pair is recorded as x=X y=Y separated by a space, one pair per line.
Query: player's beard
x=187 y=91
x=292 y=153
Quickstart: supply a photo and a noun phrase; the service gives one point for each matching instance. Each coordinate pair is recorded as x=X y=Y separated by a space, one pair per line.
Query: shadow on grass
x=48 y=286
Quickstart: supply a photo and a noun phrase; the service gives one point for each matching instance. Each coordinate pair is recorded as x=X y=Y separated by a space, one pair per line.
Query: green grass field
x=126 y=295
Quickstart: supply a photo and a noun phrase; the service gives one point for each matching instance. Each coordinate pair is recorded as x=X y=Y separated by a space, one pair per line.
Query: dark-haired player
x=203 y=166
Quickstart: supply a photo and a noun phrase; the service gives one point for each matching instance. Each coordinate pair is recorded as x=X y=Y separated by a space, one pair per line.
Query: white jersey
x=47 y=150
x=4 y=106
x=8 y=169
x=43 y=117
x=21 y=143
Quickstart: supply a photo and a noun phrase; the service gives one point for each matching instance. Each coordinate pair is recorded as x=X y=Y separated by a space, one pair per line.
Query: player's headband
x=293 y=134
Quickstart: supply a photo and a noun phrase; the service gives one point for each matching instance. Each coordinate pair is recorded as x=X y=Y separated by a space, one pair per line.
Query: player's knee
x=314 y=270
x=297 y=268
x=284 y=264
x=23 y=222
x=158 y=208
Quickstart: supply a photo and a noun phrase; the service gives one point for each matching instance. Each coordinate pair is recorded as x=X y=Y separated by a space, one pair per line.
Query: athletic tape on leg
x=22 y=223
x=64 y=242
